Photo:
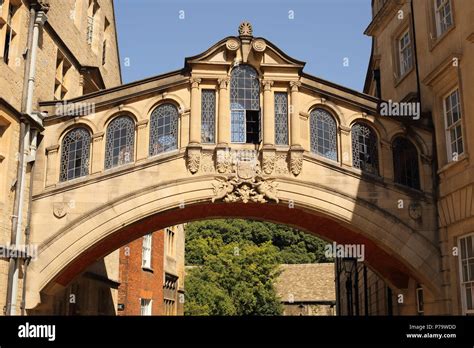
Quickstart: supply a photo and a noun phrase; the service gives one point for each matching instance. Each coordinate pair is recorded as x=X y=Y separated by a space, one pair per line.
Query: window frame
x=147 y=245
x=212 y=92
x=448 y=128
x=400 y=53
x=234 y=110
x=132 y=145
x=154 y=117
x=283 y=115
x=313 y=141
x=377 y=157
x=84 y=167
x=437 y=17
x=146 y=308
x=395 y=176
x=461 y=282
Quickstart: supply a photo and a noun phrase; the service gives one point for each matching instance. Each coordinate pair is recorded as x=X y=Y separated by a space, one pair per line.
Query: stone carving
x=268 y=162
x=245 y=29
x=414 y=210
x=296 y=162
x=281 y=165
x=232 y=44
x=245 y=184
x=223 y=161
x=59 y=209
x=259 y=45
x=207 y=162
x=193 y=159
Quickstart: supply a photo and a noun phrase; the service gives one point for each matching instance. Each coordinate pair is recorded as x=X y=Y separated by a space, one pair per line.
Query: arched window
x=163 y=129
x=245 y=105
x=323 y=134
x=405 y=163
x=120 y=142
x=75 y=151
x=364 y=149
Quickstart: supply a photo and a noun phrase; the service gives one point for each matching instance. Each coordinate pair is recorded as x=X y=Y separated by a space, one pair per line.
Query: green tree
x=293 y=246
x=233 y=279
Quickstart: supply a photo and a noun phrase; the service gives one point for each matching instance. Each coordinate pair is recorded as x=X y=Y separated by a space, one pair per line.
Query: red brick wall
x=135 y=282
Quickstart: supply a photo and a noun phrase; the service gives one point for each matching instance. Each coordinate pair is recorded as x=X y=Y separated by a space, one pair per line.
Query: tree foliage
x=233 y=279
x=293 y=246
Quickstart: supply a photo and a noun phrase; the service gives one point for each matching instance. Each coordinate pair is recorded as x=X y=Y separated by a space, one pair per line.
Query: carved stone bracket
x=296 y=160
x=268 y=160
x=223 y=160
x=193 y=158
x=245 y=184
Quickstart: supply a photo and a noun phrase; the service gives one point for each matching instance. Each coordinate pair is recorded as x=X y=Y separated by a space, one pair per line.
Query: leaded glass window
x=163 y=129
x=244 y=98
x=323 y=134
x=75 y=154
x=120 y=142
x=364 y=149
x=208 y=116
x=281 y=118
x=405 y=163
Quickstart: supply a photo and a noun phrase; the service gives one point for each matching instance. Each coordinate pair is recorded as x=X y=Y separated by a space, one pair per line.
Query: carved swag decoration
x=245 y=184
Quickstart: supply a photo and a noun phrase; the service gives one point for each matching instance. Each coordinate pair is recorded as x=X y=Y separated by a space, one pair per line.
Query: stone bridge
x=240 y=131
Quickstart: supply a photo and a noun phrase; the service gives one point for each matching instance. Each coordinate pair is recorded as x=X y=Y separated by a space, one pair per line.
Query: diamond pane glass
x=405 y=163
x=208 y=116
x=120 y=142
x=323 y=134
x=244 y=95
x=364 y=149
x=75 y=154
x=281 y=118
x=163 y=129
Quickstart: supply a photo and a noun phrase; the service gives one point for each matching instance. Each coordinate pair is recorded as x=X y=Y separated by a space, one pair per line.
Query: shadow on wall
x=90 y=293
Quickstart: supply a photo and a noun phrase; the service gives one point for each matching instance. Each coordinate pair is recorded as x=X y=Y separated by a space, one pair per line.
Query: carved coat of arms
x=245 y=184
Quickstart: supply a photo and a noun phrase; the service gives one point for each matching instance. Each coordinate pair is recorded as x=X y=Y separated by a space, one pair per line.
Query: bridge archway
x=392 y=248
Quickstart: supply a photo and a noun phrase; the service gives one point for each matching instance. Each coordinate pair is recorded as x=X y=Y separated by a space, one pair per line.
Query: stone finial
x=245 y=29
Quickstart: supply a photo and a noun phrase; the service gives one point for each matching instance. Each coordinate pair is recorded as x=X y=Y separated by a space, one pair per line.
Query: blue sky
x=323 y=33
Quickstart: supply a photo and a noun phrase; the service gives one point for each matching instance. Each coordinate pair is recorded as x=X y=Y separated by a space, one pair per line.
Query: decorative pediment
x=244 y=48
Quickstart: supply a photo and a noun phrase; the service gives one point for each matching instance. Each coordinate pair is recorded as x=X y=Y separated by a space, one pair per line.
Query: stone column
x=142 y=148
x=295 y=114
x=268 y=115
x=98 y=151
x=345 y=146
x=195 y=129
x=296 y=150
x=223 y=121
x=52 y=165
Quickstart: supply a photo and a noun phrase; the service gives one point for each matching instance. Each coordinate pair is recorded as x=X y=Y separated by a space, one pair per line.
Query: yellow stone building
x=423 y=51
x=49 y=50
x=243 y=131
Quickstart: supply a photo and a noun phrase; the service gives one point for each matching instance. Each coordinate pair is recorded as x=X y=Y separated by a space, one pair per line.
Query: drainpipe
x=25 y=147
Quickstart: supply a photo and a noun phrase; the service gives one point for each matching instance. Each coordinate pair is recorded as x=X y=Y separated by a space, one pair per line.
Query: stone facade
x=67 y=66
x=441 y=66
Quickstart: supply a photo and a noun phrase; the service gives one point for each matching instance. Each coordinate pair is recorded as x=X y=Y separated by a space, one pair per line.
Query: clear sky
x=155 y=38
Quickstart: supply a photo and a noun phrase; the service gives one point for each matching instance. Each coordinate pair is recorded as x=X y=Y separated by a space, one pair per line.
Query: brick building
x=152 y=274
